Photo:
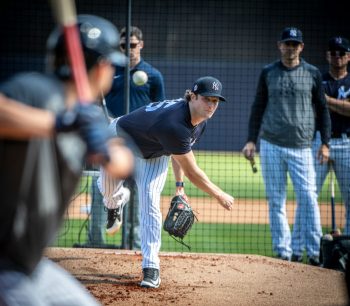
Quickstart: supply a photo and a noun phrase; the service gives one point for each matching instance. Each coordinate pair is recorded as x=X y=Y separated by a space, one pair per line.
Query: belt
x=340 y=135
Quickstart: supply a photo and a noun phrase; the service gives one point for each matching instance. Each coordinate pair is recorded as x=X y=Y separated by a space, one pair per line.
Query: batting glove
x=90 y=123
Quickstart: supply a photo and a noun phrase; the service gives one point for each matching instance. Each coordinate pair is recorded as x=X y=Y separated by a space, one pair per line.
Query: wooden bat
x=65 y=13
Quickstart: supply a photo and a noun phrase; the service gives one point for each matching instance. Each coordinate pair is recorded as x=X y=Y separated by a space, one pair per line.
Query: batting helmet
x=99 y=39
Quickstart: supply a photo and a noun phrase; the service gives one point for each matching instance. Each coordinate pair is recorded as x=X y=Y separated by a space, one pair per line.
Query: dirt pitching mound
x=113 y=277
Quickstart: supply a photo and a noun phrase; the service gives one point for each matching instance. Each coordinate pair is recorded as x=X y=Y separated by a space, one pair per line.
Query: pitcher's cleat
x=151 y=278
x=115 y=215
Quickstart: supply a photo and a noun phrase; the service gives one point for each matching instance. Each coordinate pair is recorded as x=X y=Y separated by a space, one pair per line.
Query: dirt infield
x=245 y=211
x=198 y=279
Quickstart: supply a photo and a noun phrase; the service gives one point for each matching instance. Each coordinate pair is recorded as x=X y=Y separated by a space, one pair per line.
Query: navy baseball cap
x=208 y=87
x=292 y=34
x=339 y=43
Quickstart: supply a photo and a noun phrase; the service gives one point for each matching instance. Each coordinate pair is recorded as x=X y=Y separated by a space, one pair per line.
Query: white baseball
x=140 y=78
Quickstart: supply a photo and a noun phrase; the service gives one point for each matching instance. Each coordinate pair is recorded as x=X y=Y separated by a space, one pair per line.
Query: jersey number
x=157 y=105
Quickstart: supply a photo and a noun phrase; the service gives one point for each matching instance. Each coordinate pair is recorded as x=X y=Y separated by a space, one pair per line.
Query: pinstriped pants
x=150 y=176
x=340 y=156
x=276 y=161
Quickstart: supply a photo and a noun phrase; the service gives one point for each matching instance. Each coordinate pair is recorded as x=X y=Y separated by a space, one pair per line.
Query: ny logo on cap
x=293 y=32
x=94 y=33
x=216 y=85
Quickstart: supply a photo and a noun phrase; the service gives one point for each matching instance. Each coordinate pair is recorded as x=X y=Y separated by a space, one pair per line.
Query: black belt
x=339 y=134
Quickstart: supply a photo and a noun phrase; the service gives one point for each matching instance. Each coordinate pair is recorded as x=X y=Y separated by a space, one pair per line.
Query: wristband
x=179 y=184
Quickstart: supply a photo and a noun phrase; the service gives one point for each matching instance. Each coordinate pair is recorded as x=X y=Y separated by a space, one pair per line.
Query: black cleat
x=313 y=261
x=115 y=215
x=297 y=258
x=283 y=257
x=151 y=278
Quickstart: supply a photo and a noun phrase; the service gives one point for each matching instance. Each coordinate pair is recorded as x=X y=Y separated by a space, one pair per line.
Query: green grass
x=224 y=238
x=232 y=172
x=203 y=238
x=75 y=231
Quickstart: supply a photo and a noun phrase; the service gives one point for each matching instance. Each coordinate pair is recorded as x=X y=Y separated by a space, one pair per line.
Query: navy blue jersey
x=162 y=128
x=152 y=91
x=339 y=89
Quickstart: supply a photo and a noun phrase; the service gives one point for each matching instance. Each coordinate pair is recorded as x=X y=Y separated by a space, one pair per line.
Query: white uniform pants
x=276 y=161
x=150 y=176
x=340 y=156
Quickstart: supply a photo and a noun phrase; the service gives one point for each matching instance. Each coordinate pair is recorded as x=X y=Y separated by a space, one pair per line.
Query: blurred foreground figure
x=45 y=137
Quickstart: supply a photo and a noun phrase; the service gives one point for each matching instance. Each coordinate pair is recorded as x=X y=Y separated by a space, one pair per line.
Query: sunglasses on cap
x=337 y=53
x=132 y=45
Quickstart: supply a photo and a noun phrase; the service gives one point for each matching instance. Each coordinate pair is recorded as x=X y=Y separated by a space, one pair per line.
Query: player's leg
x=17 y=288
x=109 y=187
x=56 y=286
x=274 y=173
x=307 y=217
x=298 y=240
x=115 y=197
x=341 y=157
x=150 y=178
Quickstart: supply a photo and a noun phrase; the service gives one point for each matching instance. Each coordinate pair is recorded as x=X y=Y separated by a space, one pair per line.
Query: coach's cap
x=208 y=87
x=339 y=43
x=292 y=34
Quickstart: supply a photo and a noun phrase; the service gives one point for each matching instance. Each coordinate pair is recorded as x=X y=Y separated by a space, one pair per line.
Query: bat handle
x=253 y=165
x=332 y=200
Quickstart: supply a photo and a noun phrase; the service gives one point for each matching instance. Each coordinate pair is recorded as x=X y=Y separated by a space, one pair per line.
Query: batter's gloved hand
x=71 y=119
x=179 y=219
x=91 y=124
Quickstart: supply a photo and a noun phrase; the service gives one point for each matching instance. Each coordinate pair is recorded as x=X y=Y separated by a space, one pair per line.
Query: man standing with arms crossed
x=337 y=87
x=140 y=95
x=283 y=112
x=161 y=130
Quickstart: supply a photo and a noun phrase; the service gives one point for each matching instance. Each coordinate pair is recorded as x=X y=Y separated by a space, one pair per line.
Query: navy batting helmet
x=99 y=39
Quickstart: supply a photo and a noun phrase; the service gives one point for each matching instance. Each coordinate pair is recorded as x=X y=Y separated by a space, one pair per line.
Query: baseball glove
x=179 y=219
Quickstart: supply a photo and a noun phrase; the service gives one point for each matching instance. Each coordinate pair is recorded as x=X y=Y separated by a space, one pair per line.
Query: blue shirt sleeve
x=157 y=90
